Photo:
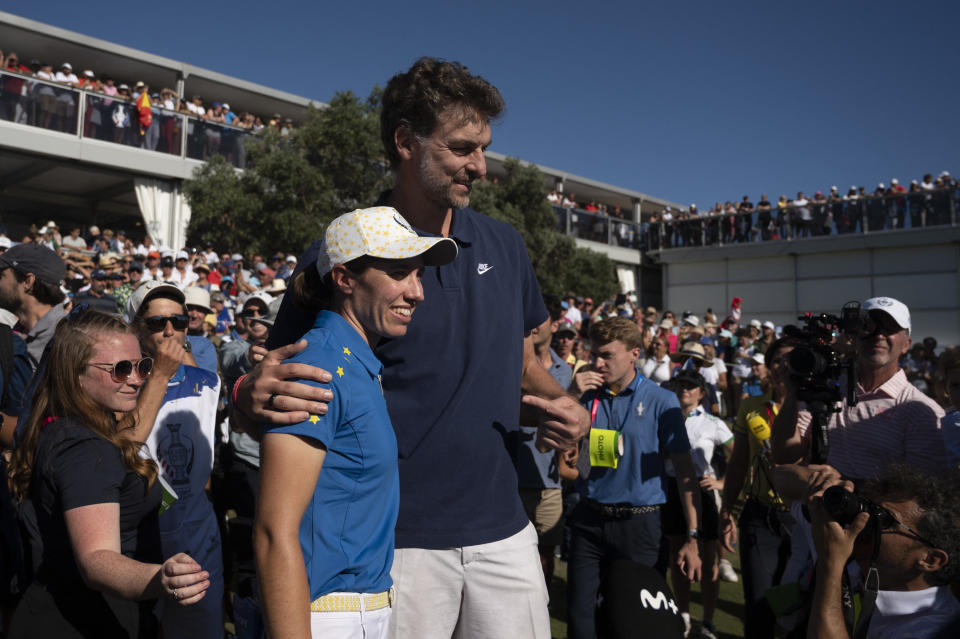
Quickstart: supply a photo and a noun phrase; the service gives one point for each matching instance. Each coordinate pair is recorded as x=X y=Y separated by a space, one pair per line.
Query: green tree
x=520 y=200
x=332 y=164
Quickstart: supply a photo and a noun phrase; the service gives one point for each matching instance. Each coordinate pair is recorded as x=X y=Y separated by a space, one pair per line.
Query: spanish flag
x=146 y=115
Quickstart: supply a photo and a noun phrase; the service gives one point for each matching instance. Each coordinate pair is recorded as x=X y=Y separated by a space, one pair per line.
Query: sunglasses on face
x=156 y=323
x=122 y=370
x=888 y=523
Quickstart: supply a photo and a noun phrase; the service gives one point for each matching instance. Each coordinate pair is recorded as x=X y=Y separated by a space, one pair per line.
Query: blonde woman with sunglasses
x=94 y=497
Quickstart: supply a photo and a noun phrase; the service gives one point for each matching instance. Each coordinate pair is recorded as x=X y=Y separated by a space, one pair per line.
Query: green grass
x=728 y=617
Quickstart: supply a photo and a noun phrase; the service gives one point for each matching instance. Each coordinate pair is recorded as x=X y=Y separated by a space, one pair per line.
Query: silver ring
x=273 y=396
x=175 y=595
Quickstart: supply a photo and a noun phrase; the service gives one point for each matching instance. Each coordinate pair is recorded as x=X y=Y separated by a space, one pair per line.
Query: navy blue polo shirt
x=452 y=385
x=346 y=533
x=652 y=424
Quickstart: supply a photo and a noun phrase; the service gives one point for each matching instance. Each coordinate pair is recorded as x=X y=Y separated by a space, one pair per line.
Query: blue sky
x=690 y=101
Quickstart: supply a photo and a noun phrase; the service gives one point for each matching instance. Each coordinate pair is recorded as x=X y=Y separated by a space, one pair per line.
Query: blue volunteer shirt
x=536 y=469
x=652 y=424
x=204 y=352
x=452 y=385
x=346 y=533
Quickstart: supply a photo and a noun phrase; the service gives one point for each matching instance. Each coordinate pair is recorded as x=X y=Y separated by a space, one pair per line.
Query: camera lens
x=842 y=505
x=806 y=361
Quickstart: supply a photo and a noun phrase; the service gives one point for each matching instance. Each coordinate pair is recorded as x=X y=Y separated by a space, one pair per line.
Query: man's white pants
x=369 y=624
x=493 y=591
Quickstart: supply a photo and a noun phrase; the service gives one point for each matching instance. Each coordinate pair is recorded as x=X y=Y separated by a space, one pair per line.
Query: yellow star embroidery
x=340 y=371
x=346 y=351
x=314 y=419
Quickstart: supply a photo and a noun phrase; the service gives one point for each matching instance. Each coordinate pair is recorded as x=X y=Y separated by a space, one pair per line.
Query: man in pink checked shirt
x=891 y=422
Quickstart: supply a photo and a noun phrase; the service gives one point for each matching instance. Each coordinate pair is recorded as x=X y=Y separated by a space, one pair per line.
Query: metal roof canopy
x=35 y=40
x=35 y=188
x=586 y=189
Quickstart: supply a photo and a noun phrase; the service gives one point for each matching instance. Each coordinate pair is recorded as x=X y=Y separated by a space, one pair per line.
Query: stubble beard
x=439 y=188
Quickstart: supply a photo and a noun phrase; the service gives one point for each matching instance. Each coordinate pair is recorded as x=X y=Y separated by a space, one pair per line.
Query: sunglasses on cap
x=156 y=323
x=122 y=370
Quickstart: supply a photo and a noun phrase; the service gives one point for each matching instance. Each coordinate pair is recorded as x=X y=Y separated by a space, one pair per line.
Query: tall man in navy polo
x=466 y=562
x=618 y=516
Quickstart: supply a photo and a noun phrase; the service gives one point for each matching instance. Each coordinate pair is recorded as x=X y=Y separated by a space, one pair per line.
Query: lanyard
x=596 y=404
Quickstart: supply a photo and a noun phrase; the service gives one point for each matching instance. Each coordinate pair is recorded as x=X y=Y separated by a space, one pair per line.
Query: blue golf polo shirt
x=452 y=385
x=346 y=533
x=651 y=422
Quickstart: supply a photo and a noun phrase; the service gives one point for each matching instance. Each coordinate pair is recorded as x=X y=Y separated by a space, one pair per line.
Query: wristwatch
x=693 y=534
x=186 y=346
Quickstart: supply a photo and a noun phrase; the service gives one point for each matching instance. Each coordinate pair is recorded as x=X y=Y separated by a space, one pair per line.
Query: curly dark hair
x=939 y=500
x=416 y=99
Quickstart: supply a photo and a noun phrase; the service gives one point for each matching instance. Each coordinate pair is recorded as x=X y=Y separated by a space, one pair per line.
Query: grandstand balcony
x=62 y=155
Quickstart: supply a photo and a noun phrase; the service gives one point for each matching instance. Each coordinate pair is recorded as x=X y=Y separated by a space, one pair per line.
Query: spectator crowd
x=930 y=201
x=125 y=112
x=178 y=455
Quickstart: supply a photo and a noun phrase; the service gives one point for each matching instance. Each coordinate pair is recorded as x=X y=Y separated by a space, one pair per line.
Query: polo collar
x=462 y=228
x=348 y=341
x=629 y=388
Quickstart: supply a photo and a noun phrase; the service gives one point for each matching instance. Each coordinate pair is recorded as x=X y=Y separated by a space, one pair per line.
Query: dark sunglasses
x=890 y=524
x=123 y=369
x=156 y=323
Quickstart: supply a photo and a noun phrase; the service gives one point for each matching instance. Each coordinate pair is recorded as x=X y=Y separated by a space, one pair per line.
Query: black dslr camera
x=843 y=507
x=827 y=356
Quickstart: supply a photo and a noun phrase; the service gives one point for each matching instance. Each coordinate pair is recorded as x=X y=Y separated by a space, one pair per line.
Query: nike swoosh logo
x=483 y=268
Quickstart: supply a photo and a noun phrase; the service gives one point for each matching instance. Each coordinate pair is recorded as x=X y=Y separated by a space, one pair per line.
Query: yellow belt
x=359 y=602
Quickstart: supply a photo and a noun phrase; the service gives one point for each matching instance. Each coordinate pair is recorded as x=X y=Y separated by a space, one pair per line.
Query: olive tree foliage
x=295 y=185
x=520 y=200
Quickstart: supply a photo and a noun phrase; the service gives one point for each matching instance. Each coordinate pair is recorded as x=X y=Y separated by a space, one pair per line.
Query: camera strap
x=871 y=586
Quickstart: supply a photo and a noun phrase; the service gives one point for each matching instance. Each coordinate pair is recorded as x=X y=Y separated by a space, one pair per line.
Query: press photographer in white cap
x=891 y=422
x=329 y=486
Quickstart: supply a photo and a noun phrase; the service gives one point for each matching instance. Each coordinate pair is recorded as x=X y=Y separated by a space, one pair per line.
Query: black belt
x=620 y=510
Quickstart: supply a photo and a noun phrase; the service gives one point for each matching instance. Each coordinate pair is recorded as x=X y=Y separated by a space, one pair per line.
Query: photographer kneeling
x=904 y=531
x=891 y=422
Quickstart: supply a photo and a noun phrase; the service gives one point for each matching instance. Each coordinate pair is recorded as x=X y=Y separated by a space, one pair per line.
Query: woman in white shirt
x=658 y=366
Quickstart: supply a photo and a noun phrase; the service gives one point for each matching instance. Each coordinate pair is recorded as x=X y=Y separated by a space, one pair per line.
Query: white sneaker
x=686 y=623
x=707 y=630
x=727 y=573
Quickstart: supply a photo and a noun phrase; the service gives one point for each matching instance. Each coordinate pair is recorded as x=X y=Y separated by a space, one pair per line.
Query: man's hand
x=728 y=531
x=688 y=560
x=834 y=543
x=711 y=483
x=168 y=357
x=585 y=381
x=563 y=422
x=256 y=354
x=293 y=402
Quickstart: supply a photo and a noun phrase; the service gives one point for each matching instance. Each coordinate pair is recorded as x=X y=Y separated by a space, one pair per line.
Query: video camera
x=827 y=357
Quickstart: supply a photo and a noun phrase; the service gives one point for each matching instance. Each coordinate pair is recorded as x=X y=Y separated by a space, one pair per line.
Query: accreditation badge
x=606 y=447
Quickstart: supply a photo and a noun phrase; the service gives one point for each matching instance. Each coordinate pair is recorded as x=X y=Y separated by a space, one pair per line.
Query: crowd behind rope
x=143 y=432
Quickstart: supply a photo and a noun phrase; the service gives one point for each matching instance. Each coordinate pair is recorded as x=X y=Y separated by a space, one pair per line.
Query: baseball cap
x=199 y=297
x=566 y=327
x=236 y=257
x=635 y=596
x=183 y=255
x=894 y=308
x=98 y=274
x=770 y=325
x=261 y=296
x=35 y=258
x=273 y=308
x=692 y=320
x=291 y=259
x=5 y=242
x=154 y=254
x=379 y=232
x=758 y=358
x=755 y=323
x=135 y=266
x=146 y=291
